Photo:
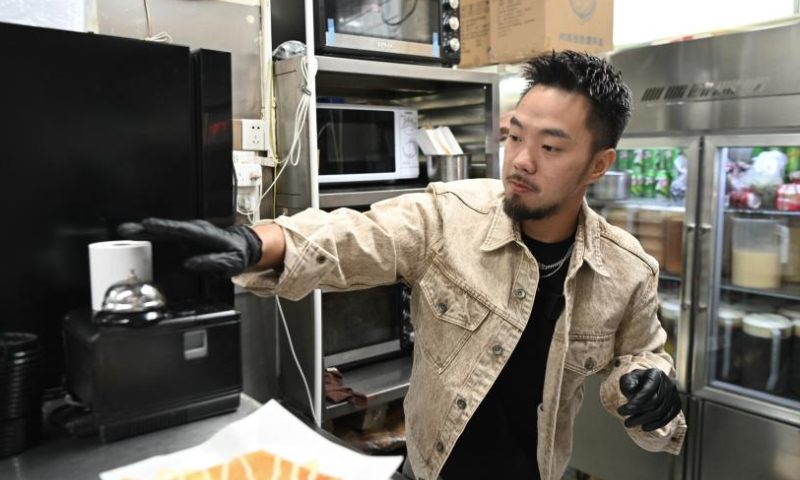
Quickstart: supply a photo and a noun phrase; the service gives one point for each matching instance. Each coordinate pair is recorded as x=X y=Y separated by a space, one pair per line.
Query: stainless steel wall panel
x=603 y=449
x=741 y=446
x=229 y=26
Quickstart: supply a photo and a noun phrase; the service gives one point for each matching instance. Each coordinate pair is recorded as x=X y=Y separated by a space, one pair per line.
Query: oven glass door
x=415 y=21
x=355 y=142
x=361 y=325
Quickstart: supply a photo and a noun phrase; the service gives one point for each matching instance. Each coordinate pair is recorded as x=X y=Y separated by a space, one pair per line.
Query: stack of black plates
x=21 y=366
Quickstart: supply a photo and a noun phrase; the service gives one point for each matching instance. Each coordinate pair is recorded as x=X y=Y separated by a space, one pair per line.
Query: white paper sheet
x=271 y=428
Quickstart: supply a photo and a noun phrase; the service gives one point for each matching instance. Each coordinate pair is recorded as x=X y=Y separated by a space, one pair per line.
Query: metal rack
x=467 y=100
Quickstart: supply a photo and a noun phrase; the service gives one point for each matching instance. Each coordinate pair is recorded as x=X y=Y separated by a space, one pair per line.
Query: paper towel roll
x=112 y=262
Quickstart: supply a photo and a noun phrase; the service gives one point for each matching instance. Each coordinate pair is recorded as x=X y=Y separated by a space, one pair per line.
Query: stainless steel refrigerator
x=713 y=153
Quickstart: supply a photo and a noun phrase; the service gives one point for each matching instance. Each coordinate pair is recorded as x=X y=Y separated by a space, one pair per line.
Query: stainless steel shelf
x=381 y=382
x=402 y=70
x=638 y=203
x=744 y=211
x=668 y=276
x=357 y=197
x=788 y=292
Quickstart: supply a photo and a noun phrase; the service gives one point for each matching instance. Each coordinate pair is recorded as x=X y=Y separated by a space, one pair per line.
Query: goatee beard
x=518 y=212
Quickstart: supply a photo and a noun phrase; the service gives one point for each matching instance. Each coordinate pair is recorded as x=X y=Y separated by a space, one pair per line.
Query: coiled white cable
x=296 y=360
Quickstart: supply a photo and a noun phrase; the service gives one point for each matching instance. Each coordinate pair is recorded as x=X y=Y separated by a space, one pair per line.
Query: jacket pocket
x=589 y=353
x=448 y=317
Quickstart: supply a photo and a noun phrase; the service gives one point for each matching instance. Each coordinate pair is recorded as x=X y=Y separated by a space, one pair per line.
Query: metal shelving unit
x=470 y=101
x=381 y=382
x=356 y=197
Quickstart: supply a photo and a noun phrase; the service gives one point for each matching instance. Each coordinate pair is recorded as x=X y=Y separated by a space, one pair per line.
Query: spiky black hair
x=593 y=77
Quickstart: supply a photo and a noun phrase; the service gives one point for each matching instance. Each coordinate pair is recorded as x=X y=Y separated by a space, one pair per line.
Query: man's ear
x=601 y=162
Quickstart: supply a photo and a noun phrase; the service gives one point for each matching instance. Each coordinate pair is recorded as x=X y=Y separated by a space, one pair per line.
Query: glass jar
x=669 y=312
x=766 y=343
x=674 y=244
x=729 y=345
x=794 y=377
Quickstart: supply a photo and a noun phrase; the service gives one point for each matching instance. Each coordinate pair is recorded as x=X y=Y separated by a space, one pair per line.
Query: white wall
x=638 y=21
x=61 y=14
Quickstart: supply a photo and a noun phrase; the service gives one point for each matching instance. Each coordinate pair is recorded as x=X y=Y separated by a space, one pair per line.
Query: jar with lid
x=794 y=376
x=674 y=244
x=766 y=343
x=669 y=313
x=729 y=345
x=791 y=269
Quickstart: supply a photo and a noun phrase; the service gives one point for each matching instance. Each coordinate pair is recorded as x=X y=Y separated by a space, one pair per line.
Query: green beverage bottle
x=649 y=188
x=623 y=160
x=662 y=184
x=648 y=160
x=636 y=161
x=793 y=163
x=637 y=181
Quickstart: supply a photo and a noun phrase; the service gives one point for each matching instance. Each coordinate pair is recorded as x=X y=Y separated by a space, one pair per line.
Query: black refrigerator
x=95 y=131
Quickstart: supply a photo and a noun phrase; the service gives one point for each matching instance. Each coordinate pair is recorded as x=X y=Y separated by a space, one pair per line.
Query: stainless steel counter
x=65 y=458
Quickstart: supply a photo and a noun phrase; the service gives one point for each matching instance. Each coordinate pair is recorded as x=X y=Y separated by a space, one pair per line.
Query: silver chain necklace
x=555 y=267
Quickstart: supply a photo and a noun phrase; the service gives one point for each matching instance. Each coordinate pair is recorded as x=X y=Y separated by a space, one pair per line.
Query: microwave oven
x=363 y=326
x=420 y=30
x=366 y=143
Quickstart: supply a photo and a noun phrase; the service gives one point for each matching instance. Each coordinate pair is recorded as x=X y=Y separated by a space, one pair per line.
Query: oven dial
x=453 y=3
x=454 y=44
x=453 y=23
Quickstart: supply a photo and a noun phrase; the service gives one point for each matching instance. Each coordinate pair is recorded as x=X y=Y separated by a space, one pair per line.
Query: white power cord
x=297 y=361
x=309 y=70
x=160 y=36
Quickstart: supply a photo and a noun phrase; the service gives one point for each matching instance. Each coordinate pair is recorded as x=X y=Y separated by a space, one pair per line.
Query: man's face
x=548 y=159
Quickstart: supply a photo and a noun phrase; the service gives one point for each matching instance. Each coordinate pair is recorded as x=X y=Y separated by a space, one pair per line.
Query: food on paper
x=257 y=465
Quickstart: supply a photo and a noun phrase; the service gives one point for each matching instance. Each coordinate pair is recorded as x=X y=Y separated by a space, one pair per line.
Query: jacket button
x=497 y=350
x=617 y=362
x=462 y=404
x=321 y=259
x=589 y=364
x=439 y=447
x=441 y=307
x=520 y=293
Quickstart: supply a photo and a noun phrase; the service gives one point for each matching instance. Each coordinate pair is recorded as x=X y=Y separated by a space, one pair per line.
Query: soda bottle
x=793 y=162
x=649 y=187
x=637 y=180
x=623 y=160
x=636 y=161
x=648 y=160
x=662 y=184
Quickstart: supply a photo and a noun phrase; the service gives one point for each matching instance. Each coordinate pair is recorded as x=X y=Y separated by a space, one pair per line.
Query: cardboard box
x=474 y=33
x=521 y=29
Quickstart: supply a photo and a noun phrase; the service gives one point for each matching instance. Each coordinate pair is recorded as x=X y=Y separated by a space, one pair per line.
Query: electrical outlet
x=249 y=134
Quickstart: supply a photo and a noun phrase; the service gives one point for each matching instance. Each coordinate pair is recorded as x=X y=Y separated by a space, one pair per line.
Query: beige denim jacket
x=473 y=284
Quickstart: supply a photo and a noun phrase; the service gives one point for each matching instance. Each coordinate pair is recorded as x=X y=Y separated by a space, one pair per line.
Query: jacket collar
x=587 y=238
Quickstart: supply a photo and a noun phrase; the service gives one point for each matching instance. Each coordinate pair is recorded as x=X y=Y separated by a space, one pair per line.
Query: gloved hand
x=229 y=251
x=652 y=399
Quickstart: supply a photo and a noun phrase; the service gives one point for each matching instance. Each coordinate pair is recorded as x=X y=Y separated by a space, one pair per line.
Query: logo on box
x=584 y=9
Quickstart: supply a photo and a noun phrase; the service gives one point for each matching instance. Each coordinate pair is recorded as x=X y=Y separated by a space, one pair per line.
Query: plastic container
x=669 y=312
x=674 y=244
x=760 y=248
x=766 y=343
x=729 y=345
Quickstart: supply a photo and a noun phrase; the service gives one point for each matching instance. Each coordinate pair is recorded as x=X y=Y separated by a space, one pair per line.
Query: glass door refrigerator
x=734 y=101
x=747 y=363
x=650 y=192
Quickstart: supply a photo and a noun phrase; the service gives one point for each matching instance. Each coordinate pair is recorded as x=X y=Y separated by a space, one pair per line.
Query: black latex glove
x=653 y=399
x=228 y=251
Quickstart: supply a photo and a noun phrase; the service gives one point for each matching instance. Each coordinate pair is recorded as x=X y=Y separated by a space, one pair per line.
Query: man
x=520 y=290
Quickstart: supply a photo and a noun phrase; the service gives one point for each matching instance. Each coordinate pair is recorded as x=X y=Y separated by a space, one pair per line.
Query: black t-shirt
x=500 y=439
